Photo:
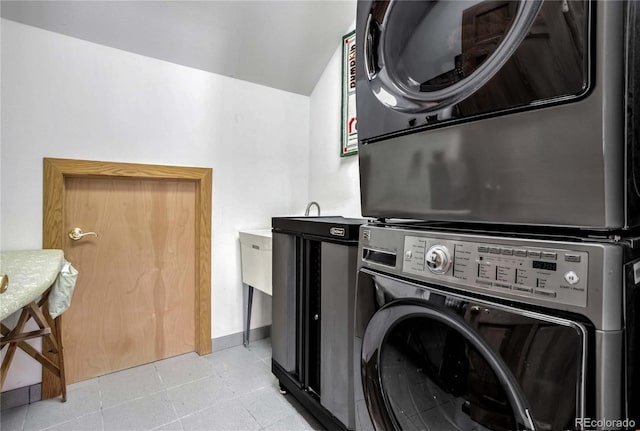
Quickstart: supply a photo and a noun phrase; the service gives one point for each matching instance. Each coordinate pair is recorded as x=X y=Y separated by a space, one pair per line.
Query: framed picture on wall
x=349 y=141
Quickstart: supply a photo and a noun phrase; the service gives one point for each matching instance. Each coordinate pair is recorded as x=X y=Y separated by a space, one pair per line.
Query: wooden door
x=135 y=297
x=159 y=188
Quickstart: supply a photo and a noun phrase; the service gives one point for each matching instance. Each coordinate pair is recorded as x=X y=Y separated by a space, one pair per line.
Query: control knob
x=438 y=259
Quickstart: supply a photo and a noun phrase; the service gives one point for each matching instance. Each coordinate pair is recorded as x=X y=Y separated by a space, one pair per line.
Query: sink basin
x=323 y=226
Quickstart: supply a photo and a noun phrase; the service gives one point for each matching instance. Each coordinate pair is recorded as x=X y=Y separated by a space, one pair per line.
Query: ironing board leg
x=56 y=356
x=11 y=350
x=56 y=383
x=51 y=357
x=63 y=379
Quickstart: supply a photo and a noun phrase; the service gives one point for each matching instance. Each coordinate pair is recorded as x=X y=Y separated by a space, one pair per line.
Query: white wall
x=68 y=98
x=333 y=180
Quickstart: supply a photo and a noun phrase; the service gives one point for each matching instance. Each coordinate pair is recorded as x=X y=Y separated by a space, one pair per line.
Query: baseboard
x=30 y=394
x=233 y=340
x=20 y=396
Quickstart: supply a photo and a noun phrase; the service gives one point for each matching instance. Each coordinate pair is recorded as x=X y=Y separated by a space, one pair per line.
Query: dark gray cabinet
x=314 y=273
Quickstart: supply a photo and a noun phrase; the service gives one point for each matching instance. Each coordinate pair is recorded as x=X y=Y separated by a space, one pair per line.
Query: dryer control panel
x=550 y=274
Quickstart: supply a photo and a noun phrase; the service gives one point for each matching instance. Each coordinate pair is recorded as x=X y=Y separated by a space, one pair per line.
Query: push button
x=572 y=257
x=523 y=289
x=571 y=278
x=544 y=292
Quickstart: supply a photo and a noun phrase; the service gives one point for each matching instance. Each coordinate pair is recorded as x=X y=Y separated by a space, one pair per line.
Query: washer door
x=426 y=368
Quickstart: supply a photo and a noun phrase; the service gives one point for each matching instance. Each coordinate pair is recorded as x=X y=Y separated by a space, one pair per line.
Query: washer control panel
x=551 y=274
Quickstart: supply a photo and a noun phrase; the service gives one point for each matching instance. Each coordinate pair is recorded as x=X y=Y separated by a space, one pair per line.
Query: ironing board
x=40 y=283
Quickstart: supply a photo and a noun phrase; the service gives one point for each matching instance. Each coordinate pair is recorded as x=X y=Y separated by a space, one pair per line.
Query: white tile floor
x=228 y=390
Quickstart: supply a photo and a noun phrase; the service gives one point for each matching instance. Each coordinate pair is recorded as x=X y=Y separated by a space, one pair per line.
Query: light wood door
x=135 y=297
x=55 y=229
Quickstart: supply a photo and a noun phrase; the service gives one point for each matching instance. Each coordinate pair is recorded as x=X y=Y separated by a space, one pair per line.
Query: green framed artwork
x=349 y=141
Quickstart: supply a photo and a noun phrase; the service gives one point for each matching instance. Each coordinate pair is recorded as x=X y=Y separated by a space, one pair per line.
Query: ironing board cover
x=31 y=273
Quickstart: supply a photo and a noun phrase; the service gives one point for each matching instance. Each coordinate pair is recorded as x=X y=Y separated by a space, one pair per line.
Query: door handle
x=76 y=233
x=372 y=38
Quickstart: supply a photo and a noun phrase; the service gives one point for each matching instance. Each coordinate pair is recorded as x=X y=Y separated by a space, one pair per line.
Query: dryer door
x=421 y=55
x=495 y=55
x=449 y=364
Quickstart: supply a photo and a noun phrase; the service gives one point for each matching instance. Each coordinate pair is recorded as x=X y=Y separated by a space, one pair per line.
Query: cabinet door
x=338 y=298
x=283 y=326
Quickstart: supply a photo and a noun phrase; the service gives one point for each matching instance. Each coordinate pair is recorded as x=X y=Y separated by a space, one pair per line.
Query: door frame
x=53 y=230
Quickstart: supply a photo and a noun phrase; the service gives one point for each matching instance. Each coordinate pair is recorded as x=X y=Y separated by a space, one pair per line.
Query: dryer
x=500 y=112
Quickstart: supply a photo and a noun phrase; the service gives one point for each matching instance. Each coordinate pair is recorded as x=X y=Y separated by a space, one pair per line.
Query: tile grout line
x=253 y=416
x=173 y=405
x=24 y=420
x=101 y=404
x=236 y=397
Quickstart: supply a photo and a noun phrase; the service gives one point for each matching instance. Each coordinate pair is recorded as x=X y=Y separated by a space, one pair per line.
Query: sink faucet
x=306 y=213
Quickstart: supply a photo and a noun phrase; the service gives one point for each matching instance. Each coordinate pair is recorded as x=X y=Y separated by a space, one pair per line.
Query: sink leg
x=247 y=325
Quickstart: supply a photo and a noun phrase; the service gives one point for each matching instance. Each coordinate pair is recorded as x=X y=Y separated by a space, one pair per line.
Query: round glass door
x=428 y=55
x=424 y=369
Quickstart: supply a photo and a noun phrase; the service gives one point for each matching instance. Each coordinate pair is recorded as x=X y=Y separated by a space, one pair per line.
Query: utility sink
x=322 y=226
x=255 y=246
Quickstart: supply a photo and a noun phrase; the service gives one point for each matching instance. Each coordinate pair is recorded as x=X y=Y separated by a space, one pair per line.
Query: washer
x=469 y=330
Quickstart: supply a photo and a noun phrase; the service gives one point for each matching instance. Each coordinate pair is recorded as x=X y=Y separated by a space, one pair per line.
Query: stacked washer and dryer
x=499 y=154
